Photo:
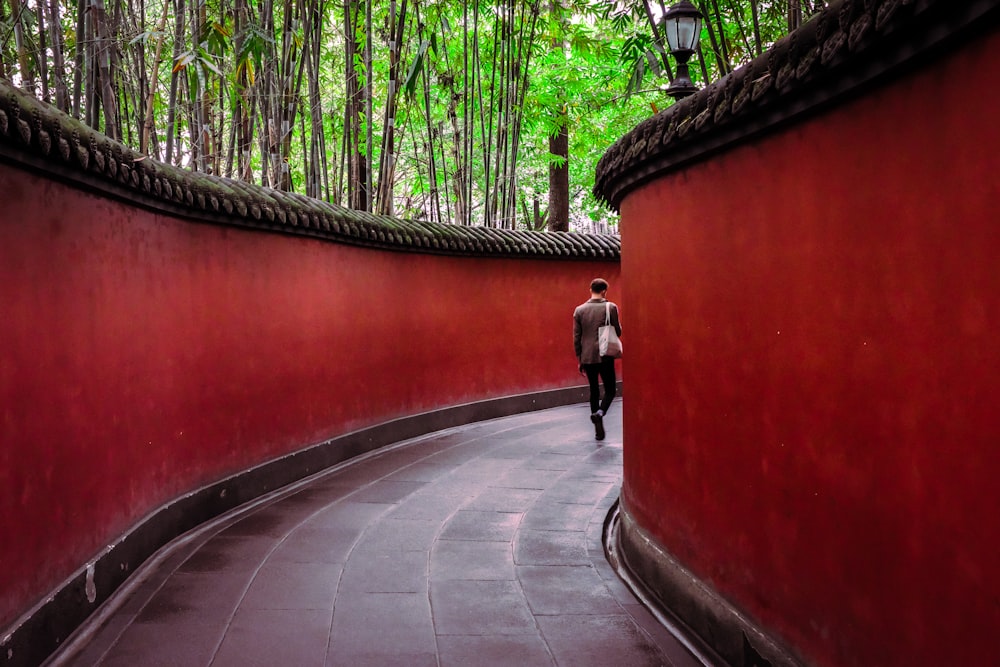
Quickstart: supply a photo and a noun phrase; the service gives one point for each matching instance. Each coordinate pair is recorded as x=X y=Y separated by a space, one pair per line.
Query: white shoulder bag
x=608 y=342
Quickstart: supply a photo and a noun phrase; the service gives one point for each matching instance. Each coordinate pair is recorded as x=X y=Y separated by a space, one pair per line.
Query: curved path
x=478 y=545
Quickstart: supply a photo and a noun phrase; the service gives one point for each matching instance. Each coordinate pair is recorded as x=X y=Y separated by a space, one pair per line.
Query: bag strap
x=607 y=313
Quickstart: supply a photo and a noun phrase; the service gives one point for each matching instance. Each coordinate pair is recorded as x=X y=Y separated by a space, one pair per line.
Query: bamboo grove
x=488 y=112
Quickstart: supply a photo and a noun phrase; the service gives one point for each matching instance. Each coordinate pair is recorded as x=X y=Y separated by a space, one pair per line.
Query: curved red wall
x=142 y=357
x=819 y=371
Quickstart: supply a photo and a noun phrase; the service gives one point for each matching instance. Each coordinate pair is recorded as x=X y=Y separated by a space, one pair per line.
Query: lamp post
x=682 y=25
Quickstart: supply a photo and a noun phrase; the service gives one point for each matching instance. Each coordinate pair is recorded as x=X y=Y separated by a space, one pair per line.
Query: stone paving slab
x=478 y=545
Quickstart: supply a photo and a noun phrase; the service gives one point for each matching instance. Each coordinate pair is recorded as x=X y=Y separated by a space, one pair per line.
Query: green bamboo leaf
x=654 y=63
x=184 y=60
x=410 y=83
x=210 y=66
x=635 y=82
x=146 y=37
x=246 y=67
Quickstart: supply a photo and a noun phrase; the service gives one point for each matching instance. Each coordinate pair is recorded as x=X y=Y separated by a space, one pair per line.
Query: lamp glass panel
x=672 y=29
x=687 y=33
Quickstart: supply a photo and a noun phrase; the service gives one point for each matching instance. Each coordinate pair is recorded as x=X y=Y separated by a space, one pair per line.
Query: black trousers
x=605 y=372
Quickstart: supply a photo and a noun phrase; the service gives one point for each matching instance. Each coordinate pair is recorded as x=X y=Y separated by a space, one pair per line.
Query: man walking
x=587 y=319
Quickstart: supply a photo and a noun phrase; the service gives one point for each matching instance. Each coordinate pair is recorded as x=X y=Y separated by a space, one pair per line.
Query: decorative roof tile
x=827 y=60
x=37 y=135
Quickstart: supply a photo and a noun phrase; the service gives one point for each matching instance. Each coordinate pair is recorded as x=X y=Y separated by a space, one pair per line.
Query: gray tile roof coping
x=847 y=47
x=39 y=136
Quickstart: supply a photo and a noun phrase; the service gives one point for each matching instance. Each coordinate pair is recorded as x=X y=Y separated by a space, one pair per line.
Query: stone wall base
x=714 y=627
x=41 y=630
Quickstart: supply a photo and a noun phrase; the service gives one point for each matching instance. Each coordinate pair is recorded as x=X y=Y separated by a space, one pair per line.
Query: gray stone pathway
x=478 y=545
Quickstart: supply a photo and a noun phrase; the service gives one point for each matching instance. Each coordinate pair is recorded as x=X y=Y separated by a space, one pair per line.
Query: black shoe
x=598 y=419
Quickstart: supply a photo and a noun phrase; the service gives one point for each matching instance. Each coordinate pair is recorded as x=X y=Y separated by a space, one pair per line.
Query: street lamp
x=682 y=24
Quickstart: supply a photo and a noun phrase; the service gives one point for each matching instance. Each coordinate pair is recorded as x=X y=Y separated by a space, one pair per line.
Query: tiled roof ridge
x=40 y=136
x=849 y=44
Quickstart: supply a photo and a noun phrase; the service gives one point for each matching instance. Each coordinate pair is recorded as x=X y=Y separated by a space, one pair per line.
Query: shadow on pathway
x=479 y=545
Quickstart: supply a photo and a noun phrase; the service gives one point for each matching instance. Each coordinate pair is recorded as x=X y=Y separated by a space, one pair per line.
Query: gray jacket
x=587 y=318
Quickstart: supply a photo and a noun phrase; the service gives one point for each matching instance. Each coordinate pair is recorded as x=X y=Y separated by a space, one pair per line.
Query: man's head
x=598 y=286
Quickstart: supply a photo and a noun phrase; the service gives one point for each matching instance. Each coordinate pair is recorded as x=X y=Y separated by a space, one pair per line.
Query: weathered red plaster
x=818 y=371
x=142 y=357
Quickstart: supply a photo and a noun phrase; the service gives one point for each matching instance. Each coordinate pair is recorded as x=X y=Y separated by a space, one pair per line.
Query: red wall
x=819 y=371
x=142 y=357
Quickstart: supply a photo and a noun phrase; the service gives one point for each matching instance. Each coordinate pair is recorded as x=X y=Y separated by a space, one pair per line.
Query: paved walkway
x=479 y=545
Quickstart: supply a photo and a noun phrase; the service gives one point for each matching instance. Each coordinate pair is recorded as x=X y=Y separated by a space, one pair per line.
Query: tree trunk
x=290 y=72
x=368 y=93
x=147 y=126
x=559 y=177
x=172 y=102
x=658 y=37
x=58 y=66
x=92 y=98
x=755 y=11
x=358 y=198
x=26 y=70
x=243 y=112
x=43 y=60
x=387 y=159
x=81 y=49
x=109 y=100
x=315 y=150
x=3 y=63
x=794 y=14
x=559 y=145
x=719 y=39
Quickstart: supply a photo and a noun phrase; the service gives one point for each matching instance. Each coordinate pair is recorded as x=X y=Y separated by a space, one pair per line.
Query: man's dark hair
x=598 y=285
